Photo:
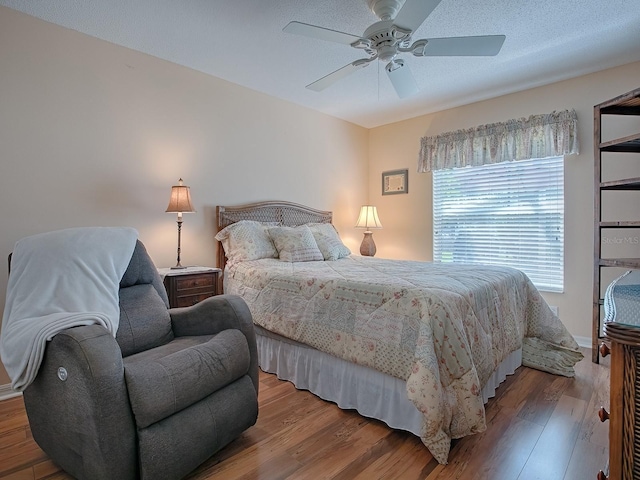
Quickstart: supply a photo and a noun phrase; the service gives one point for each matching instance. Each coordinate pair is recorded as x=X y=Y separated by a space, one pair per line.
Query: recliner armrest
x=211 y=316
x=215 y=314
x=86 y=404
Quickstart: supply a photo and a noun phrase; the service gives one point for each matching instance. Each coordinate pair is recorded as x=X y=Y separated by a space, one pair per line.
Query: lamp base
x=178 y=264
x=368 y=246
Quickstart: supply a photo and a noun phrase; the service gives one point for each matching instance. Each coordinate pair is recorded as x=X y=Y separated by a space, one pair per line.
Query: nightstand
x=188 y=286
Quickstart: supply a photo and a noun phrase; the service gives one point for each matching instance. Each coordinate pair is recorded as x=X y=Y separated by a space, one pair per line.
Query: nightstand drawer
x=194 y=281
x=189 y=300
x=185 y=289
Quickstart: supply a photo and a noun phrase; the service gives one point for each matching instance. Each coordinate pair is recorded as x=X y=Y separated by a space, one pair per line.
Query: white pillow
x=295 y=244
x=329 y=241
x=246 y=240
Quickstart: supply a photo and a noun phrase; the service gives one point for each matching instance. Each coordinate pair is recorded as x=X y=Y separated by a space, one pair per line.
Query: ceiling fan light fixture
x=387 y=53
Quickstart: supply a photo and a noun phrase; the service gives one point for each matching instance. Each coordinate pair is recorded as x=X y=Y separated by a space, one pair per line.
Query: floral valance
x=538 y=136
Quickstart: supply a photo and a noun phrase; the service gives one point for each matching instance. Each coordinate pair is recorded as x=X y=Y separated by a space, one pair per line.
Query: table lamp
x=368 y=219
x=180 y=202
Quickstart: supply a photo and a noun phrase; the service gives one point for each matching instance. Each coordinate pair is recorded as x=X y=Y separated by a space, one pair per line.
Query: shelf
x=622 y=110
x=627 y=104
x=625 y=184
x=630 y=143
x=620 y=262
x=621 y=224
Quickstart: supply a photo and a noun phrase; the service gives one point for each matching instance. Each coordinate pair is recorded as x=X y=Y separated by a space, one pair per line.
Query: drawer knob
x=604 y=349
x=603 y=414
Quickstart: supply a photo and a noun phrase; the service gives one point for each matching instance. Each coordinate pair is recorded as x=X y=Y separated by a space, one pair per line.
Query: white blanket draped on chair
x=59 y=280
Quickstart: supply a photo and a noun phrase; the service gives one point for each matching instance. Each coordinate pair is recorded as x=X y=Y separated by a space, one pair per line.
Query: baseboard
x=583 y=341
x=6 y=392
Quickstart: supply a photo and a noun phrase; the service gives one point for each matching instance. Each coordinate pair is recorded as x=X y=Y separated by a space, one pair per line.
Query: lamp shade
x=368 y=218
x=180 y=200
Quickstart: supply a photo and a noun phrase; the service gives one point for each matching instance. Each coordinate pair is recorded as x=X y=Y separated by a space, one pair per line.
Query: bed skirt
x=351 y=386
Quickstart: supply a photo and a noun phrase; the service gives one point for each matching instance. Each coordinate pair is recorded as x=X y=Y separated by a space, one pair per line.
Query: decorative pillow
x=329 y=241
x=247 y=240
x=295 y=244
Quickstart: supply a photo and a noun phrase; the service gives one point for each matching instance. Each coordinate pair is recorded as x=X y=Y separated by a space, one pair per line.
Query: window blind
x=509 y=213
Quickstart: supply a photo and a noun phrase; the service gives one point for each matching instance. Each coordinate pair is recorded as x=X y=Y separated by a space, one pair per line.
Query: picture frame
x=395 y=182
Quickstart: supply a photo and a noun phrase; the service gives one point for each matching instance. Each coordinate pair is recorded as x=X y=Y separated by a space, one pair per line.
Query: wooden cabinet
x=616 y=109
x=186 y=288
x=624 y=415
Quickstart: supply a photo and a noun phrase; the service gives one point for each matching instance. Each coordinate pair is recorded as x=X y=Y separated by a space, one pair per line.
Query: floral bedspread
x=443 y=328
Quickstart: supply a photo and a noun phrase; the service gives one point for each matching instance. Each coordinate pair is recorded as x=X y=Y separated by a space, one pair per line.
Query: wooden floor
x=539 y=426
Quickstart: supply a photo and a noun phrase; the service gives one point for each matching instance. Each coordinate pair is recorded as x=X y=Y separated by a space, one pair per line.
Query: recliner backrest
x=144 y=317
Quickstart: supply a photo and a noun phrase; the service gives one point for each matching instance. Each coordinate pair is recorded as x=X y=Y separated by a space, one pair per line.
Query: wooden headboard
x=285 y=213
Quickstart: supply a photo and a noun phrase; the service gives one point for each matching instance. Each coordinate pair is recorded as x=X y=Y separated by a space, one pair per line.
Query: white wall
x=95 y=134
x=407 y=219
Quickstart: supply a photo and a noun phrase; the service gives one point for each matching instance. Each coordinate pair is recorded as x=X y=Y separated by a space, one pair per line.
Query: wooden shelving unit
x=627 y=104
x=622 y=341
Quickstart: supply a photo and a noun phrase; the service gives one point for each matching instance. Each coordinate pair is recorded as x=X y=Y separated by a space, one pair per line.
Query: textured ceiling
x=242 y=41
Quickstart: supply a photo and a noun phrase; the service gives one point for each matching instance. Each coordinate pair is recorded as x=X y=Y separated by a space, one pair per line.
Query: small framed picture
x=395 y=181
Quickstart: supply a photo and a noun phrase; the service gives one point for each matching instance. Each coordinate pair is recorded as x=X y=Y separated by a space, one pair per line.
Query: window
x=509 y=213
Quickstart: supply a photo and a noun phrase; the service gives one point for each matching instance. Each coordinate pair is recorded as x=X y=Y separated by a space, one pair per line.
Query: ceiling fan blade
x=321 y=33
x=339 y=74
x=484 y=45
x=414 y=12
x=401 y=78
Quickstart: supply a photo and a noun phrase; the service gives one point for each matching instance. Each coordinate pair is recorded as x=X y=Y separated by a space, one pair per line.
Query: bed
x=420 y=346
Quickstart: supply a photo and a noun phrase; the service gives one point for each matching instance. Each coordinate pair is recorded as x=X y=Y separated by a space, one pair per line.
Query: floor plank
x=587 y=458
x=552 y=453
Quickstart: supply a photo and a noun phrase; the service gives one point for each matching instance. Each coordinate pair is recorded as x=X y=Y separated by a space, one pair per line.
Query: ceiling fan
x=390 y=36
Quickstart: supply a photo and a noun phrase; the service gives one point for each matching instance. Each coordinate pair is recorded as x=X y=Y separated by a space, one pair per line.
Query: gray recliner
x=173 y=387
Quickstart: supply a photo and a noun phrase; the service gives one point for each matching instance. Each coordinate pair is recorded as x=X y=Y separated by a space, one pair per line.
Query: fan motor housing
x=385 y=38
